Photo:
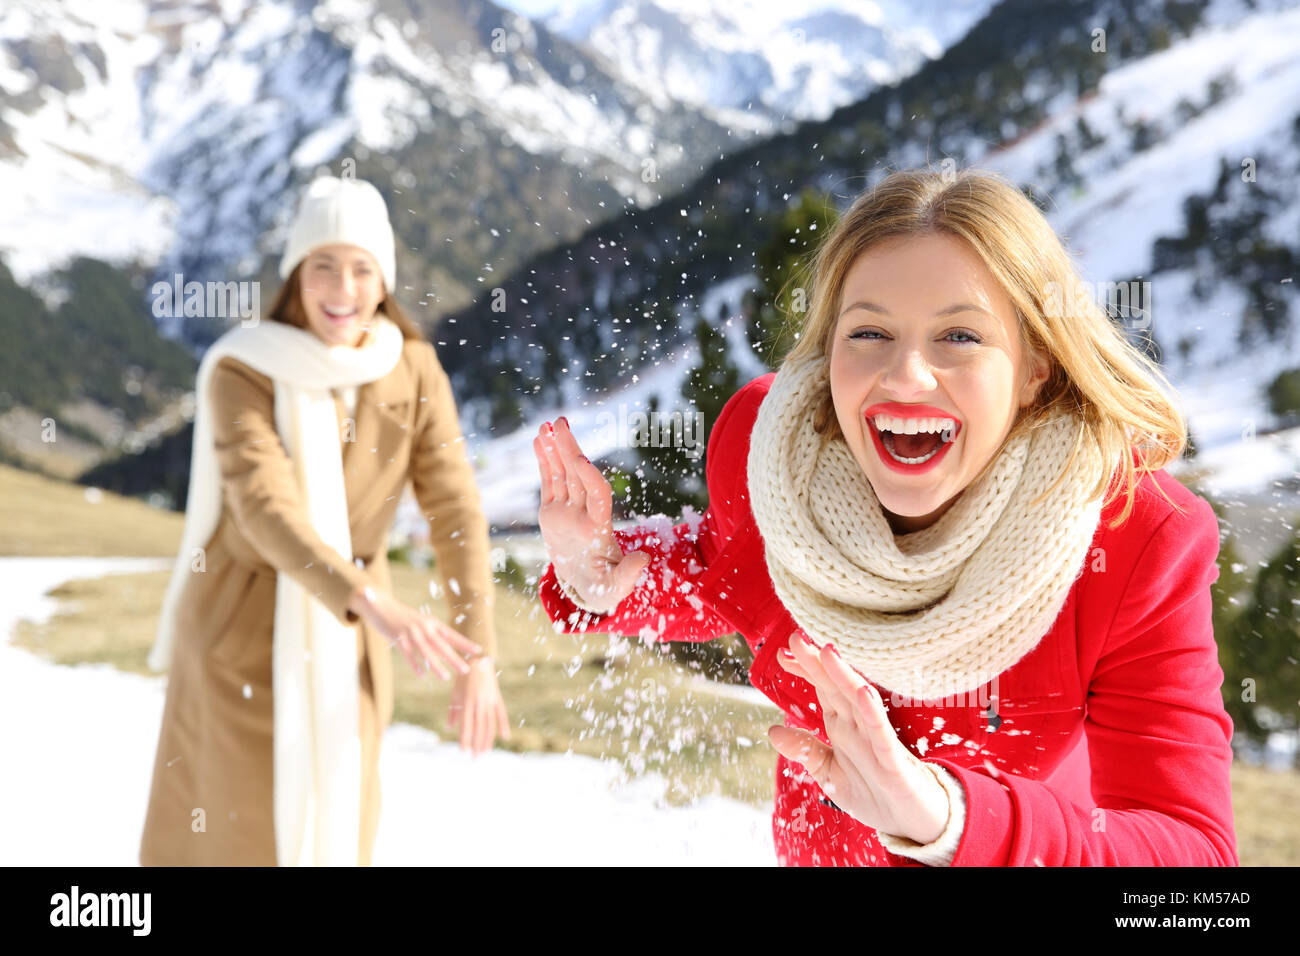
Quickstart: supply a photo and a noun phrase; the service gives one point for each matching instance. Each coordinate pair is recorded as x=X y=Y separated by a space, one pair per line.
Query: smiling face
x=342 y=287
x=926 y=332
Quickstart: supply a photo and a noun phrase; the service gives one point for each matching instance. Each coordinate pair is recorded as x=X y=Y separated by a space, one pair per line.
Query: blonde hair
x=1096 y=373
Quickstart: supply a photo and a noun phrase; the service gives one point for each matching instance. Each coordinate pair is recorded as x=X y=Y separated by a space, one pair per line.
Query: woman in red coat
x=945 y=529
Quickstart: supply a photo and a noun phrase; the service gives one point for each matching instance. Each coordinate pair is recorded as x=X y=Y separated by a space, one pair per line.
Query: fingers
x=890 y=753
x=439 y=638
x=405 y=647
x=570 y=457
x=865 y=710
x=420 y=637
x=554 y=469
x=595 y=489
x=503 y=719
x=457 y=640
x=629 y=569
x=562 y=455
x=485 y=729
x=423 y=643
x=838 y=719
x=820 y=761
x=801 y=747
x=545 y=469
x=845 y=679
x=480 y=722
x=863 y=731
x=808 y=660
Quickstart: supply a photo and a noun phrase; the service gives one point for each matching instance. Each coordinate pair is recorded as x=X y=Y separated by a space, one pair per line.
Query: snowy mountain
x=177 y=134
x=771 y=61
x=170 y=138
x=1126 y=147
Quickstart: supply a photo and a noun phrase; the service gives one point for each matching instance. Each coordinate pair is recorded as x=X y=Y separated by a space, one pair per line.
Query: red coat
x=1113 y=745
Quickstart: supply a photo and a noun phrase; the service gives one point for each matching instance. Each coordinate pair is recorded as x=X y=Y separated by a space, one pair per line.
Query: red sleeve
x=1157 y=732
x=665 y=605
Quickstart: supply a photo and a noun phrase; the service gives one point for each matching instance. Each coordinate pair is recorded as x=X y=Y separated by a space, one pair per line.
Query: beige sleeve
x=444 y=484
x=944 y=848
x=261 y=490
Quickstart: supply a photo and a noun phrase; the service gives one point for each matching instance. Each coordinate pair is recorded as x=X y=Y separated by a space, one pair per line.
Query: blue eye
x=862 y=335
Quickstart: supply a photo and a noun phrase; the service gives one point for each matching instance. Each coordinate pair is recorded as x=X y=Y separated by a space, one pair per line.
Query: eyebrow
x=950 y=310
x=331 y=257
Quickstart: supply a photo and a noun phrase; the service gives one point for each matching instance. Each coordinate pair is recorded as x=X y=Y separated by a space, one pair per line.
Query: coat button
x=994 y=720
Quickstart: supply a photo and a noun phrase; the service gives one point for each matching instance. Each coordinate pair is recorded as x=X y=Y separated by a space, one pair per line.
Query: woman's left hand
x=867 y=771
x=477 y=708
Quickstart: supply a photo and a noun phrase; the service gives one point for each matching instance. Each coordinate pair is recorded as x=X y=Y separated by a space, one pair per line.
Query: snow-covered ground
x=77 y=747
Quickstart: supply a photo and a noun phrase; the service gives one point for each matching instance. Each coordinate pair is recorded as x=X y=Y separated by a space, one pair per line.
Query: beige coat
x=215 y=747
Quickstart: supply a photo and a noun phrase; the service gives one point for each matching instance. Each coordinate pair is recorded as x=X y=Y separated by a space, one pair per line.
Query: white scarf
x=314 y=671
x=933 y=613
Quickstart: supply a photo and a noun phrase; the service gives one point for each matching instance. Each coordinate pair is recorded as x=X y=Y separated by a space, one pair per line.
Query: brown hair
x=1096 y=373
x=287 y=308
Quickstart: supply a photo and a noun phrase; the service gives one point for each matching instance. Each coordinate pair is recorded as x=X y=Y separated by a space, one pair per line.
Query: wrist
x=482 y=664
x=944 y=805
x=363 y=601
x=576 y=599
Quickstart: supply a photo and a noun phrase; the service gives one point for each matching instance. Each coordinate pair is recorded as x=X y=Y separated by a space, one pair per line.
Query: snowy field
x=78 y=747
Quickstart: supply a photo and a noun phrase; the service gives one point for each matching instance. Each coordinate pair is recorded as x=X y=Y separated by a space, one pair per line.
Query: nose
x=909 y=373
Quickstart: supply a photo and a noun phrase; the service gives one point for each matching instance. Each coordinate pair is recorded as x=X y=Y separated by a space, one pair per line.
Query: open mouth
x=914 y=441
x=340 y=315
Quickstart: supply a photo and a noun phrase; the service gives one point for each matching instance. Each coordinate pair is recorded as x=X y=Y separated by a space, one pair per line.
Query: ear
x=1040 y=370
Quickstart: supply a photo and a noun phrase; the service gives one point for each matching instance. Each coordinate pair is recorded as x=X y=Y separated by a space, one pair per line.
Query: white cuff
x=944 y=847
x=572 y=595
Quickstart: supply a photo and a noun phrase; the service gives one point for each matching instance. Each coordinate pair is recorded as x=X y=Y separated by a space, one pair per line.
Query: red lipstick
x=897 y=410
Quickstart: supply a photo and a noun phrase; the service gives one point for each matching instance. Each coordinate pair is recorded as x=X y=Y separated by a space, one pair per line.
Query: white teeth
x=888 y=441
x=910 y=426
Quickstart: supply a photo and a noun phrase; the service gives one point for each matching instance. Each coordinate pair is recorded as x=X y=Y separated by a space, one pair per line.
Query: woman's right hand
x=576 y=520
x=426 y=642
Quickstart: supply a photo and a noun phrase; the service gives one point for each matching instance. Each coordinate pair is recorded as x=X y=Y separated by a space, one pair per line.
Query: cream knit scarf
x=933 y=613
x=314 y=656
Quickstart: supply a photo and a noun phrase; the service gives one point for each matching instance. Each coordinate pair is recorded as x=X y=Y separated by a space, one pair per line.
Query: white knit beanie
x=342 y=210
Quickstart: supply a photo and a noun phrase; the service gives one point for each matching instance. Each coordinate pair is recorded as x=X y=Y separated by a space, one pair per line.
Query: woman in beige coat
x=215 y=752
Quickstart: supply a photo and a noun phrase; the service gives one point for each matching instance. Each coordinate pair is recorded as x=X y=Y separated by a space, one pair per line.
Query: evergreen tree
x=1266 y=640
x=1284 y=395
x=783 y=270
x=671 y=475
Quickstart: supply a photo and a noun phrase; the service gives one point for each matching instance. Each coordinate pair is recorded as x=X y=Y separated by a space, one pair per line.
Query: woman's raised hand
x=867 y=771
x=576 y=520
